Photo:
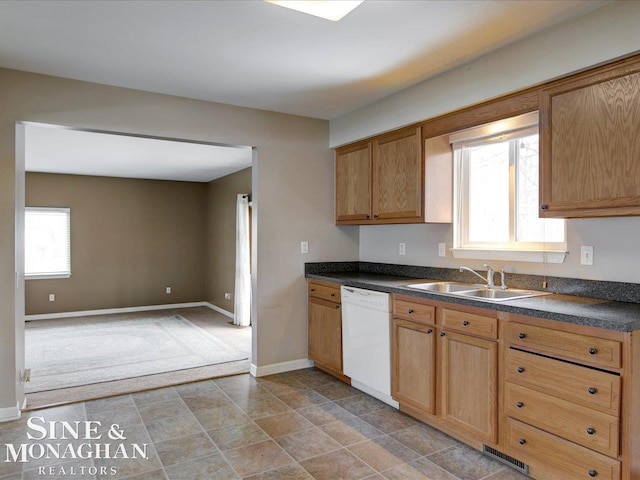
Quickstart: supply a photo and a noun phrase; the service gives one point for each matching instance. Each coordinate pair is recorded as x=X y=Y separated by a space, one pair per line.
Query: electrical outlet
x=168 y=290
x=586 y=255
x=402 y=249
x=52 y=297
x=442 y=249
x=227 y=296
x=304 y=247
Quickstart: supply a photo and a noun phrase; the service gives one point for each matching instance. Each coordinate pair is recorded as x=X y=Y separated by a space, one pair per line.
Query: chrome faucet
x=490 y=273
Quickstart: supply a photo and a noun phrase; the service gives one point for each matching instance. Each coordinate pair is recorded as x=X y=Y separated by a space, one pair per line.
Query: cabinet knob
x=522 y=441
x=337 y=307
x=520 y=369
x=429 y=331
x=519 y=404
x=465 y=323
x=591 y=430
x=368 y=217
x=333 y=294
x=522 y=335
x=313 y=289
x=442 y=334
x=411 y=310
x=375 y=216
x=593 y=351
x=544 y=206
x=593 y=473
x=592 y=390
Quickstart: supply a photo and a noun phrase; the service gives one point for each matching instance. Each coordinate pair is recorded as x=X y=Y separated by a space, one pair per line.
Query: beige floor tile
x=264 y=407
x=325 y=413
x=237 y=436
x=361 y=404
x=153 y=475
x=220 y=417
x=160 y=410
x=283 y=424
x=208 y=468
x=185 y=449
x=340 y=464
x=235 y=381
x=278 y=385
x=206 y=401
x=307 y=443
x=175 y=427
x=465 y=463
x=315 y=378
x=383 y=453
x=126 y=418
x=257 y=458
x=336 y=391
x=507 y=473
x=302 y=398
x=76 y=469
x=288 y=472
x=351 y=431
x=424 y=439
x=389 y=420
x=197 y=388
x=421 y=469
x=154 y=396
x=110 y=403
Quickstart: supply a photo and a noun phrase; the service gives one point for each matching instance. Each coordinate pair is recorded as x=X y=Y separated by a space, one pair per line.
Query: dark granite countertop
x=594 y=312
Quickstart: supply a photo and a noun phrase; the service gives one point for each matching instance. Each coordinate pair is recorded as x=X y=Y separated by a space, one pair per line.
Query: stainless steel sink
x=443 y=287
x=500 y=295
x=474 y=291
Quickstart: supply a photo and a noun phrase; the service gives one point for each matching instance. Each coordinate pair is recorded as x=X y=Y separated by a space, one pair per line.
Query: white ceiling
x=255 y=54
x=248 y=53
x=62 y=150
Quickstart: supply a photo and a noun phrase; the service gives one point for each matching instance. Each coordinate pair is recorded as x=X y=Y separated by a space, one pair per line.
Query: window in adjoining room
x=47 y=242
x=496 y=194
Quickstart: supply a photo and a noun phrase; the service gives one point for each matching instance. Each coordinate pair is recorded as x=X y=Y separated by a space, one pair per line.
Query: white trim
x=10 y=413
x=220 y=310
x=107 y=311
x=280 y=367
x=539 y=256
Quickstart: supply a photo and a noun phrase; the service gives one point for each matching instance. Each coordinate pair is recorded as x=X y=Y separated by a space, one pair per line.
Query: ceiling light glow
x=329 y=9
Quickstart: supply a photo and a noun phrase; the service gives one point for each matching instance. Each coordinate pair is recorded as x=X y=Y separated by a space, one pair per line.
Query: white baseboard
x=220 y=310
x=10 y=413
x=280 y=367
x=107 y=311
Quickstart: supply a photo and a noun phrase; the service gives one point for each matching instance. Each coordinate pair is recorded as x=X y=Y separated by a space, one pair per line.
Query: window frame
x=50 y=275
x=499 y=131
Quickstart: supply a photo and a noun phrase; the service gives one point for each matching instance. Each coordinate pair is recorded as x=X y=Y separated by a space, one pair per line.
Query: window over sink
x=496 y=194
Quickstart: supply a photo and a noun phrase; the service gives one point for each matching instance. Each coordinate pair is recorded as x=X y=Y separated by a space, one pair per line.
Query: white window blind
x=47 y=242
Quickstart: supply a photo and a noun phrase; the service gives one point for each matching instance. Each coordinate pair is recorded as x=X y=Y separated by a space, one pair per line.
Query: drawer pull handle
x=591 y=430
x=411 y=310
x=465 y=323
x=521 y=335
x=593 y=351
x=520 y=369
x=593 y=473
x=592 y=390
x=429 y=331
x=522 y=441
x=519 y=404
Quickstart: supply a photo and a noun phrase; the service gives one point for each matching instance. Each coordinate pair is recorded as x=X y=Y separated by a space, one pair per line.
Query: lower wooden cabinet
x=469 y=378
x=413 y=379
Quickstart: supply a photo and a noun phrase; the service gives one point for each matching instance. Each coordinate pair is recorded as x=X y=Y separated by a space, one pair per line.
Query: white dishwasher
x=366 y=341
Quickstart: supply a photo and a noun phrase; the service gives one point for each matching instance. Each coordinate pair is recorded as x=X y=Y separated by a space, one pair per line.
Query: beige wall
x=221 y=236
x=130 y=240
x=292 y=190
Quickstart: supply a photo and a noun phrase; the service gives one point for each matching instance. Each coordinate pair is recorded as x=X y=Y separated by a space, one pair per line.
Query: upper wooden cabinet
x=590 y=148
x=388 y=180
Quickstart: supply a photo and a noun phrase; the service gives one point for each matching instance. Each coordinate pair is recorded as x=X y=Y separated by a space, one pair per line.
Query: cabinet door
x=413 y=371
x=325 y=333
x=398 y=176
x=353 y=183
x=590 y=145
x=470 y=384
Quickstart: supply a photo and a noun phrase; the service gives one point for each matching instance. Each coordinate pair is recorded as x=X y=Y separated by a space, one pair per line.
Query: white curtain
x=242 y=306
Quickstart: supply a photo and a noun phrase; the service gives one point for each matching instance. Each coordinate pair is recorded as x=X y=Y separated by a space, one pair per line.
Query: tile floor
x=296 y=425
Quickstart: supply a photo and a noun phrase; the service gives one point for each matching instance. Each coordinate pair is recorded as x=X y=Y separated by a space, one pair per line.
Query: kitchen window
x=47 y=242
x=496 y=195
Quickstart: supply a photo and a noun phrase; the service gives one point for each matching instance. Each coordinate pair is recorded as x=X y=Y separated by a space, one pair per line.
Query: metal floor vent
x=506 y=459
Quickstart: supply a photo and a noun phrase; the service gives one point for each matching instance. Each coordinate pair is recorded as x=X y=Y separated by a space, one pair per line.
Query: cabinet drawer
x=588 y=427
x=325 y=292
x=470 y=323
x=584 y=386
x=556 y=457
x=596 y=351
x=416 y=312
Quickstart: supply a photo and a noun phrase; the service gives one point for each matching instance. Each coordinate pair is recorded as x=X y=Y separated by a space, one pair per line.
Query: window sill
x=49 y=276
x=534 y=256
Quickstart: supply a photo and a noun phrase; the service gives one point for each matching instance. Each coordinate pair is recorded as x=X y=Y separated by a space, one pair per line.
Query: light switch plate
x=586 y=255
x=442 y=249
x=402 y=249
x=304 y=247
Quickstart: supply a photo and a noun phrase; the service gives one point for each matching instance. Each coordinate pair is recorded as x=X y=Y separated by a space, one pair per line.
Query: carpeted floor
x=220 y=349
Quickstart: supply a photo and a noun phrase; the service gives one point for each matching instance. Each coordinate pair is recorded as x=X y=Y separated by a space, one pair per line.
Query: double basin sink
x=477 y=292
